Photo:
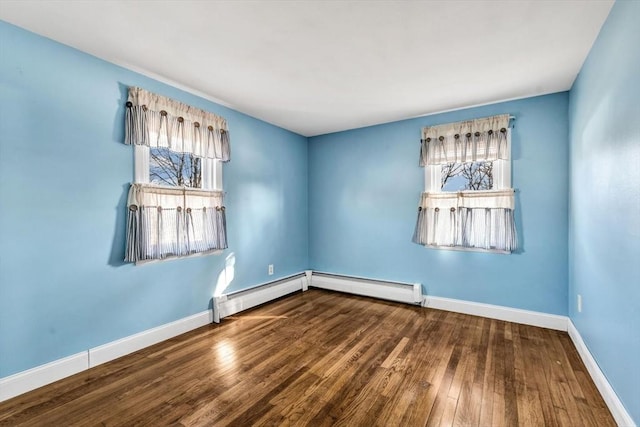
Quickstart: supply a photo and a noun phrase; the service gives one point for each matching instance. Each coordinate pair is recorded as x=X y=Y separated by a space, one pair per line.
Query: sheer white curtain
x=167 y=222
x=157 y=121
x=467 y=219
x=468 y=141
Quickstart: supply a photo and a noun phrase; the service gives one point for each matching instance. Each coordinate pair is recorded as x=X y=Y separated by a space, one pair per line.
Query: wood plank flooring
x=320 y=358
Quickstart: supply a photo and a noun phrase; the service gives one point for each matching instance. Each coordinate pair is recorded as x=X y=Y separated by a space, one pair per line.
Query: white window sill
x=171 y=258
x=464 y=249
x=181 y=188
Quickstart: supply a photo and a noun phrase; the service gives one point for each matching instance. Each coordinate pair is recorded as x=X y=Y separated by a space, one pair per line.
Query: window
x=468 y=201
x=174 y=169
x=178 y=229
x=176 y=201
x=166 y=168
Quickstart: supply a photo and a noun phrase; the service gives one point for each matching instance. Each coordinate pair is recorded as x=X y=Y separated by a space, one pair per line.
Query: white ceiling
x=316 y=67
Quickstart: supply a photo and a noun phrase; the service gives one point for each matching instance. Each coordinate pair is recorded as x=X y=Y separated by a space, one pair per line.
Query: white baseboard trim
x=609 y=395
x=113 y=350
x=22 y=382
x=42 y=375
x=525 y=317
x=410 y=293
x=229 y=304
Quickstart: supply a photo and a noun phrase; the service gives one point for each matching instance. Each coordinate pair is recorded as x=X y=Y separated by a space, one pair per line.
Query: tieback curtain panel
x=169 y=222
x=481 y=220
x=469 y=141
x=160 y=122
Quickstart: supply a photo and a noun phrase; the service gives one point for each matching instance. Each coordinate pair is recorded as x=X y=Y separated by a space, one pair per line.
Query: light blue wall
x=604 y=255
x=64 y=173
x=364 y=188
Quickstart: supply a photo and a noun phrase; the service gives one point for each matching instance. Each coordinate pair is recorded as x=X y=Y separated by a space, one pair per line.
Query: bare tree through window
x=449 y=171
x=174 y=169
x=467 y=176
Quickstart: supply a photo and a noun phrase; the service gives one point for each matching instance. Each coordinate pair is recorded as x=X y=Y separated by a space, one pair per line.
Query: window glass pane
x=467 y=176
x=175 y=169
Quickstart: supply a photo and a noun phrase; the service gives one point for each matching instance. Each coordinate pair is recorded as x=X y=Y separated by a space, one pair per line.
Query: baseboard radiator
x=229 y=304
x=410 y=293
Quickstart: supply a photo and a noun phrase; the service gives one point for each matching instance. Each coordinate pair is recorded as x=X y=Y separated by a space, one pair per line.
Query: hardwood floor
x=320 y=358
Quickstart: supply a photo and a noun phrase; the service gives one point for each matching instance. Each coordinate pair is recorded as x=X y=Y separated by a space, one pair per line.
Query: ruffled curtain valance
x=477 y=219
x=167 y=222
x=469 y=141
x=157 y=121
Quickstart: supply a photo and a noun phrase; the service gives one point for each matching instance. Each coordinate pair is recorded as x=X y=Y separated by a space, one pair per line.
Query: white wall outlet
x=579 y=303
x=270 y=269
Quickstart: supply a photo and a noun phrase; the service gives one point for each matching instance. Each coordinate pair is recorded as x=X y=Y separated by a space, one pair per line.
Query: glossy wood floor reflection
x=319 y=359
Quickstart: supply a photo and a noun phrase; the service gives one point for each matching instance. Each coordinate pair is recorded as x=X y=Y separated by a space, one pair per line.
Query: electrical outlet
x=579 y=303
x=270 y=269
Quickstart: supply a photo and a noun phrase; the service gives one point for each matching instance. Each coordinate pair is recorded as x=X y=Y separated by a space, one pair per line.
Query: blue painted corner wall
x=604 y=251
x=364 y=189
x=64 y=176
